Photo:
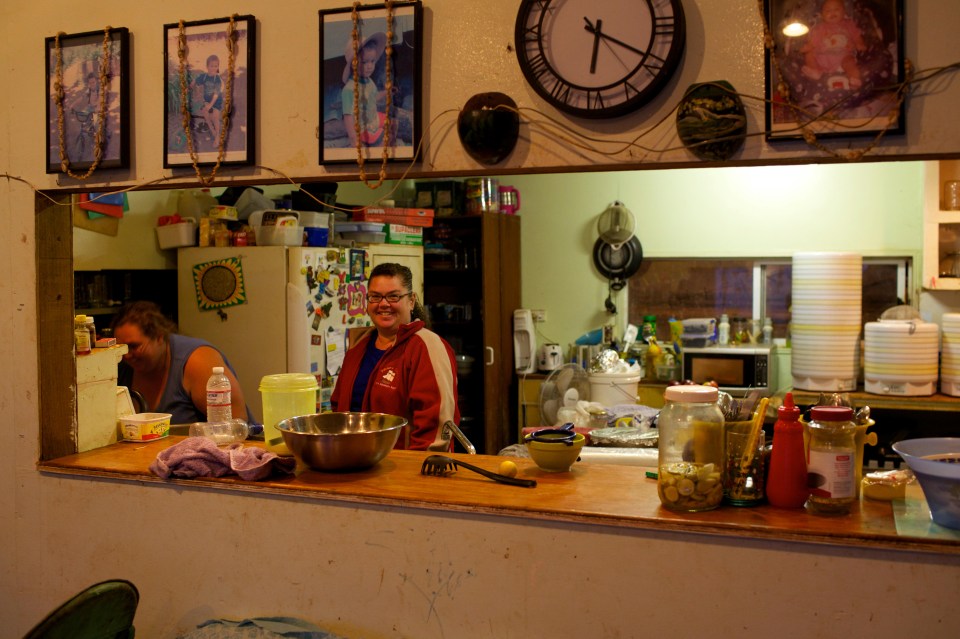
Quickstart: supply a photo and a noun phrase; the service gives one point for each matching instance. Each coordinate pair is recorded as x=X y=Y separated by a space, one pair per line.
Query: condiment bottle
x=690 y=449
x=787 y=478
x=81 y=335
x=723 y=330
x=652 y=356
x=92 y=329
x=831 y=460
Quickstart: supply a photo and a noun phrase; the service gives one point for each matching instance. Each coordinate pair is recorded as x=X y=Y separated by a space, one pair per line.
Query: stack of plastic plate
x=900 y=357
x=825 y=321
x=950 y=357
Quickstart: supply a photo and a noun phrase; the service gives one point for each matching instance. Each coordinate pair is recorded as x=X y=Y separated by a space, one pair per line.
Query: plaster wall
x=58 y=535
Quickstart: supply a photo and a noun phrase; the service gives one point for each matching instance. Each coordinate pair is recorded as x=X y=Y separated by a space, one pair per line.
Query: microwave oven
x=735 y=369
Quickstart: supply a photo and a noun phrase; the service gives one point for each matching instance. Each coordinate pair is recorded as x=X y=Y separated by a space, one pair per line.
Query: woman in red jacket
x=401 y=368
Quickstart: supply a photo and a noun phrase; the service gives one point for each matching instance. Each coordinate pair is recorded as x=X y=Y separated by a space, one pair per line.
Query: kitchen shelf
x=941 y=228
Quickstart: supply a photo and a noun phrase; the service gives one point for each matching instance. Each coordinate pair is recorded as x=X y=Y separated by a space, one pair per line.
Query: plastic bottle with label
x=81 y=335
x=767 y=331
x=831 y=460
x=92 y=329
x=787 y=479
x=219 y=397
x=723 y=330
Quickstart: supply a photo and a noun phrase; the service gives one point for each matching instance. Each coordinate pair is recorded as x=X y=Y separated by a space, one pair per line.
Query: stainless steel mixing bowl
x=341 y=441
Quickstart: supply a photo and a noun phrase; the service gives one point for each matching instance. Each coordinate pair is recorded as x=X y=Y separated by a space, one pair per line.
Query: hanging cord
x=387 y=123
x=227 y=99
x=101 y=107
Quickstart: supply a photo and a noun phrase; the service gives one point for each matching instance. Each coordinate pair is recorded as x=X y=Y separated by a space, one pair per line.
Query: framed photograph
x=82 y=78
x=835 y=68
x=349 y=104
x=206 y=72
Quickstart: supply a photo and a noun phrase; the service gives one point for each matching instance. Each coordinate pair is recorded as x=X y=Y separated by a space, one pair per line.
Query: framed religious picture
x=836 y=68
x=370 y=60
x=209 y=113
x=88 y=82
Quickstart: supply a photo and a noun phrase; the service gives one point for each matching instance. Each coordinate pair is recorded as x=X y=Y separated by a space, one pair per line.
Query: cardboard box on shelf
x=403 y=234
x=390 y=215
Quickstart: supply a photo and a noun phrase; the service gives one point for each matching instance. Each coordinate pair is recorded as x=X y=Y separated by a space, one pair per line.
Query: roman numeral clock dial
x=599 y=58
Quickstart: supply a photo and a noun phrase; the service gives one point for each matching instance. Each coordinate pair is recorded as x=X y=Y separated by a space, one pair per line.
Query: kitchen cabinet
x=941 y=228
x=471 y=287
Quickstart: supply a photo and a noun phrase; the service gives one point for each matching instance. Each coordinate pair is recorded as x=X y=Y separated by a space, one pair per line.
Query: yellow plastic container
x=285 y=395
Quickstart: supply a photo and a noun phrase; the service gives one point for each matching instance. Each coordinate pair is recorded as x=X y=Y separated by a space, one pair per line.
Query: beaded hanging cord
x=227 y=99
x=387 y=123
x=101 y=107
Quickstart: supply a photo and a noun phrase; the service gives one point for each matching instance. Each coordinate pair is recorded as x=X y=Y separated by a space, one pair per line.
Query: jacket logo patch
x=387 y=377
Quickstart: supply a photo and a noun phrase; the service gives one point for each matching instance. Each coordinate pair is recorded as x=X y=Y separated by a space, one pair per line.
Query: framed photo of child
x=370 y=110
x=196 y=91
x=92 y=100
x=836 y=68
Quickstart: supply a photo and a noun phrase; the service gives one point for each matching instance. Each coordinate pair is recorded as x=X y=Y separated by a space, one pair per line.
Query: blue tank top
x=175 y=400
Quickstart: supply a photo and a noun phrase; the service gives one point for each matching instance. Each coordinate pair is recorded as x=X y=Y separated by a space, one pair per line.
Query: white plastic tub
x=610 y=389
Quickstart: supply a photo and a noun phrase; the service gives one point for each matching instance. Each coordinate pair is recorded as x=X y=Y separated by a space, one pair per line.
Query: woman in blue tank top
x=170 y=371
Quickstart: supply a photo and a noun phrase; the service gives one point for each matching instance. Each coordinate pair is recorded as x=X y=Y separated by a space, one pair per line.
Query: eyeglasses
x=393 y=298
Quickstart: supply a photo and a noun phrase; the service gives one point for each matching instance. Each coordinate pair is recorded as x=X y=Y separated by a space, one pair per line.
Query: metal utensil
x=440 y=465
x=862 y=416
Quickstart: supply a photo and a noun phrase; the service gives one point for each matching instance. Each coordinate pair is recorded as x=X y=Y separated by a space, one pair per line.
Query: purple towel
x=200 y=457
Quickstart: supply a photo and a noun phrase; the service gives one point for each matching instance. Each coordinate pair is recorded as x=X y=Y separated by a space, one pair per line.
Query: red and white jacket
x=416 y=379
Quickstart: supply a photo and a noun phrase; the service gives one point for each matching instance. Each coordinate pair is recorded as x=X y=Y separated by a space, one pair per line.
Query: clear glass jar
x=831 y=460
x=690 y=448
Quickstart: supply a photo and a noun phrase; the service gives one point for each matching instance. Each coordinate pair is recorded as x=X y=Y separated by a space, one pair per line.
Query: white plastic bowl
x=936 y=463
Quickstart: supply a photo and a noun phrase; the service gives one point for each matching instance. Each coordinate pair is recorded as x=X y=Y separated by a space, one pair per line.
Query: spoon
x=862 y=416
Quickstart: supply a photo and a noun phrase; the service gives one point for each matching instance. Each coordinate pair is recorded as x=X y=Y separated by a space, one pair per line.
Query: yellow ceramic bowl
x=556 y=457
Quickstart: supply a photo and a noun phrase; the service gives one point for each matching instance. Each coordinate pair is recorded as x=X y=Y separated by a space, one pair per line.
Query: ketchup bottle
x=787 y=479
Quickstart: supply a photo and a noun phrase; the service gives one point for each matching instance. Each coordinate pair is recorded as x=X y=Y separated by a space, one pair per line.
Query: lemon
x=508 y=468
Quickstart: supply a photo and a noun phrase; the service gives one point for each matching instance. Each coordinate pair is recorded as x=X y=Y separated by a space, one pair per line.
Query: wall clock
x=599 y=58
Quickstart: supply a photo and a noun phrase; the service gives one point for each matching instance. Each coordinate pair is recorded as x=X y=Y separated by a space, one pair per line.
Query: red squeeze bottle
x=787 y=479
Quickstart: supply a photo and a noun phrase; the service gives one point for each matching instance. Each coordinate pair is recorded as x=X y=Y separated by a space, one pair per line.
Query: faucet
x=445 y=431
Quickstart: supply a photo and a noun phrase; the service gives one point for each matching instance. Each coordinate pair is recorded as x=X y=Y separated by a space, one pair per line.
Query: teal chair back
x=102 y=611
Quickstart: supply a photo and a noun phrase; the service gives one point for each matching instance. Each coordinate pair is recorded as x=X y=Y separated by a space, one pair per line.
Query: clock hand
x=621 y=43
x=596 y=42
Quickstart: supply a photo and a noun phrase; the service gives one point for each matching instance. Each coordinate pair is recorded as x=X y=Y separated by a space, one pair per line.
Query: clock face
x=599 y=58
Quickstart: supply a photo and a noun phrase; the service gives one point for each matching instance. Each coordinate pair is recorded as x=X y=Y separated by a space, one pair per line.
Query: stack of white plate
x=825 y=321
x=900 y=357
x=950 y=358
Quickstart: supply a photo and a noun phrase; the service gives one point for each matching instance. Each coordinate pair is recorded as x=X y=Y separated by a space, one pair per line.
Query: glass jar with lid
x=831 y=460
x=690 y=429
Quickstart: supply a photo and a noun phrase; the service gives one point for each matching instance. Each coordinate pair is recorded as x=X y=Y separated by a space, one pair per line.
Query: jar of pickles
x=690 y=429
x=831 y=460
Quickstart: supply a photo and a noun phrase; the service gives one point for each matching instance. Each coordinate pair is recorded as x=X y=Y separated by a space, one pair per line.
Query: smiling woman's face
x=387 y=316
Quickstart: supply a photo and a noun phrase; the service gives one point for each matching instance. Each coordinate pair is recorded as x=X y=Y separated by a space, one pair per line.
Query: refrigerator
x=279 y=309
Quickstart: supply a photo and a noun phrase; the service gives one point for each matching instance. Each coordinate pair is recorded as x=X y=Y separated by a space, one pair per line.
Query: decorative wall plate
x=711 y=120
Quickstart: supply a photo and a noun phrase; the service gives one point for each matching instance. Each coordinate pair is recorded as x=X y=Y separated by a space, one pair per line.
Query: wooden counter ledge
x=604 y=494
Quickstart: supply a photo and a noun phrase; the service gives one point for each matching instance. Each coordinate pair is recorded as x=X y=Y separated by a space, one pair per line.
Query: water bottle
x=219 y=399
x=221 y=433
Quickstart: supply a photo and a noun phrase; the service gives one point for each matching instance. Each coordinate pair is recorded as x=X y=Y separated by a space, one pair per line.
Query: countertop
x=592 y=493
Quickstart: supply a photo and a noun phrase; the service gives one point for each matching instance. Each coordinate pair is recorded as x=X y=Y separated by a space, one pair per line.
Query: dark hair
x=148 y=316
x=392 y=269
x=213 y=57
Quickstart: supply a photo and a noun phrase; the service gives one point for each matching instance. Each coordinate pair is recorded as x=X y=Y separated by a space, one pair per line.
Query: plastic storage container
x=831 y=460
x=690 y=449
x=285 y=395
